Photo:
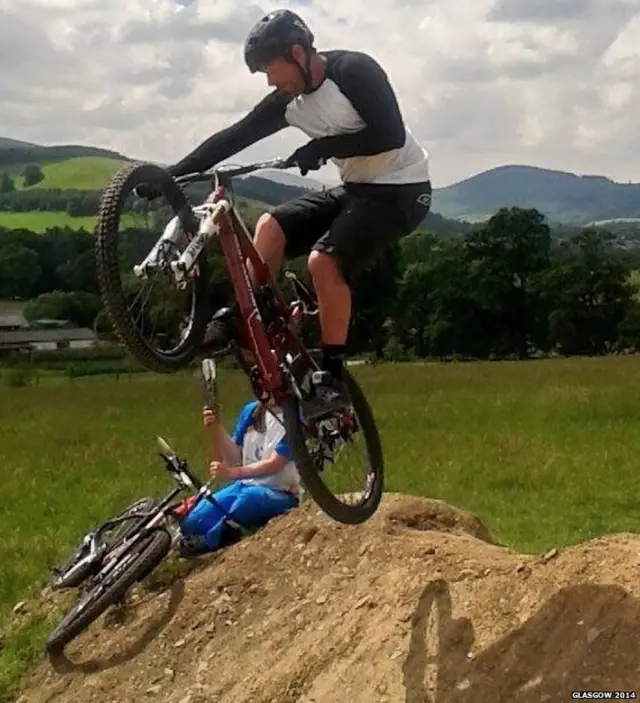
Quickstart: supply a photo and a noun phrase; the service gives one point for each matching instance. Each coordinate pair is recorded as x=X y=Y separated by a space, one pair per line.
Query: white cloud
x=546 y=82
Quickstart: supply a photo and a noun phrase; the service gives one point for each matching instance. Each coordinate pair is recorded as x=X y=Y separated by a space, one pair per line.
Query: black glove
x=307 y=158
x=148 y=192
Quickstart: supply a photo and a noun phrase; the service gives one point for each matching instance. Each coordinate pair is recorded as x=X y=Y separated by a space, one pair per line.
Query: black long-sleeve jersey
x=353 y=114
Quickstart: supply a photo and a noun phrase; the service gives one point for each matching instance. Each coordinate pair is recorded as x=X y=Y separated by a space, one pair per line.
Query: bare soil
x=419 y=605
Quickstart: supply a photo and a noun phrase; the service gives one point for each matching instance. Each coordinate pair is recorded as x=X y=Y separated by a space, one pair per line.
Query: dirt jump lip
x=419 y=605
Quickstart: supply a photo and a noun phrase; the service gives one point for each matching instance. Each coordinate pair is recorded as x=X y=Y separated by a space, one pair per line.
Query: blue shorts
x=250 y=505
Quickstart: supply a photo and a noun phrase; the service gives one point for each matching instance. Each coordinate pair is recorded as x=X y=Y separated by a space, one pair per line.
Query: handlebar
x=178 y=466
x=234 y=171
x=180 y=469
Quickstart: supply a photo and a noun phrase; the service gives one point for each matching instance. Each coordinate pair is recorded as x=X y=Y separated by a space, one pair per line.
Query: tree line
x=76 y=203
x=508 y=289
x=505 y=289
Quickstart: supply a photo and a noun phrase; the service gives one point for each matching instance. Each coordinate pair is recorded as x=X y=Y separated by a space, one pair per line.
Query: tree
x=74 y=206
x=374 y=294
x=504 y=257
x=32 y=174
x=589 y=295
x=455 y=324
x=78 y=307
x=6 y=183
x=19 y=270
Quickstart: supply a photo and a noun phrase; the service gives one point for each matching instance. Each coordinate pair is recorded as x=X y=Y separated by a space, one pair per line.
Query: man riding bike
x=343 y=100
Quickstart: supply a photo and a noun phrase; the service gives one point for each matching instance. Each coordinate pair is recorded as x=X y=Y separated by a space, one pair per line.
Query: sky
x=481 y=83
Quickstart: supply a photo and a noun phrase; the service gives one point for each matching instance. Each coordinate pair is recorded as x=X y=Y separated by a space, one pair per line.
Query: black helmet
x=273 y=36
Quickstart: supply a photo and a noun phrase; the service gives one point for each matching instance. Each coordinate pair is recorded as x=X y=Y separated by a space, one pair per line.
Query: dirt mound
x=420 y=605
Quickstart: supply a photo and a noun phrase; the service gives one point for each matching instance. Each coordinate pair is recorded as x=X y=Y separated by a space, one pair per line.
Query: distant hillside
x=79 y=173
x=14 y=153
x=561 y=196
x=71 y=167
x=6 y=143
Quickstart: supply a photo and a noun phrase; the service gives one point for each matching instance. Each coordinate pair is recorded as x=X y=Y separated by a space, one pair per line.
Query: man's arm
x=265 y=467
x=366 y=85
x=222 y=444
x=266 y=118
x=231 y=453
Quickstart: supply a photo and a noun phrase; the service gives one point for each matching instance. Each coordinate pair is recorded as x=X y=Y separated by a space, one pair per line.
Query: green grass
x=37 y=221
x=80 y=173
x=544 y=452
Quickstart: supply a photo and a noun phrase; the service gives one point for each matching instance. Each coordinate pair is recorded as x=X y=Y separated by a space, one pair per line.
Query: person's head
x=281 y=45
x=260 y=411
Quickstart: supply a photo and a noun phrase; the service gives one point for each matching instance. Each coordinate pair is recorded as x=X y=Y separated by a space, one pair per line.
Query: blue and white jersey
x=256 y=446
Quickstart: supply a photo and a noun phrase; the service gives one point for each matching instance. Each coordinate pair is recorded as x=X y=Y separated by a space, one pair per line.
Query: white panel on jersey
x=327 y=112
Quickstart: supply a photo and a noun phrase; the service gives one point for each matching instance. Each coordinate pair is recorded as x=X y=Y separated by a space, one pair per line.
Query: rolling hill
x=65 y=167
x=74 y=167
x=77 y=173
x=13 y=152
x=562 y=196
x=89 y=168
x=7 y=143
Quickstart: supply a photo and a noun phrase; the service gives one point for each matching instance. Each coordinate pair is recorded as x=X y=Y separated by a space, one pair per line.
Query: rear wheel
x=133 y=566
x=316 y=444
x=178 y=328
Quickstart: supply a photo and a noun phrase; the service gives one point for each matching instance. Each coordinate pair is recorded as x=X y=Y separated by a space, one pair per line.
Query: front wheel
x=166 y=337
x=133 y=566
x=317 y=444
x=81 y=563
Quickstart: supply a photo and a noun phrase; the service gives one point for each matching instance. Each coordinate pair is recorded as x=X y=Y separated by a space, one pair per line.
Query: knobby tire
x=106 y=254
x=325 y=499
x=151 y=550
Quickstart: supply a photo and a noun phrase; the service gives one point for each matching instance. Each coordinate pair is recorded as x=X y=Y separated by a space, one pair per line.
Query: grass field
x=81 y=173
x=37 y=221
x=545 y=453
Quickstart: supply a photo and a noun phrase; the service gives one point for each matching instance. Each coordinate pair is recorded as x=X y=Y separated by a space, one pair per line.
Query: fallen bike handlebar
x=179 y=468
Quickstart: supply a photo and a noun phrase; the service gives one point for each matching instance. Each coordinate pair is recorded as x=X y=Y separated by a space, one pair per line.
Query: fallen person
x=264 y=480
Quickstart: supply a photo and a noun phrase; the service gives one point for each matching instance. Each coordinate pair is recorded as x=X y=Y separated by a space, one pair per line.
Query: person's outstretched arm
x=221 y=441
x=266 y=118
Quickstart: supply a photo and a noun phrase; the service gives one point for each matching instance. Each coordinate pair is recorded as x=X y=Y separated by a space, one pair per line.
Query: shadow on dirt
x=583 y=638
x=62 y=664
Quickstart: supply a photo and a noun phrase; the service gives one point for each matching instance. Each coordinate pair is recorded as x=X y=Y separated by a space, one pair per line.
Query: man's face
x=285 y=75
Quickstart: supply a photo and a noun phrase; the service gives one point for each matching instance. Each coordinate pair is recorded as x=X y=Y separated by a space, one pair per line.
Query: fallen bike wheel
x=133 y=566
x=166 y=336
x=80 y=564
x=317 y=445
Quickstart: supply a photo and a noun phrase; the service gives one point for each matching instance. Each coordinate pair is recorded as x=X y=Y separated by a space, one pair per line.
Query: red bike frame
x=237 y=247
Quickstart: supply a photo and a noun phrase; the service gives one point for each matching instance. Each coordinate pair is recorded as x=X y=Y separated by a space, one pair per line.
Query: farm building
x=17 y=335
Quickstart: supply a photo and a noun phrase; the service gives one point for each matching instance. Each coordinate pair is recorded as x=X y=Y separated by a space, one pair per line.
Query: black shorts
x=355 y=222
